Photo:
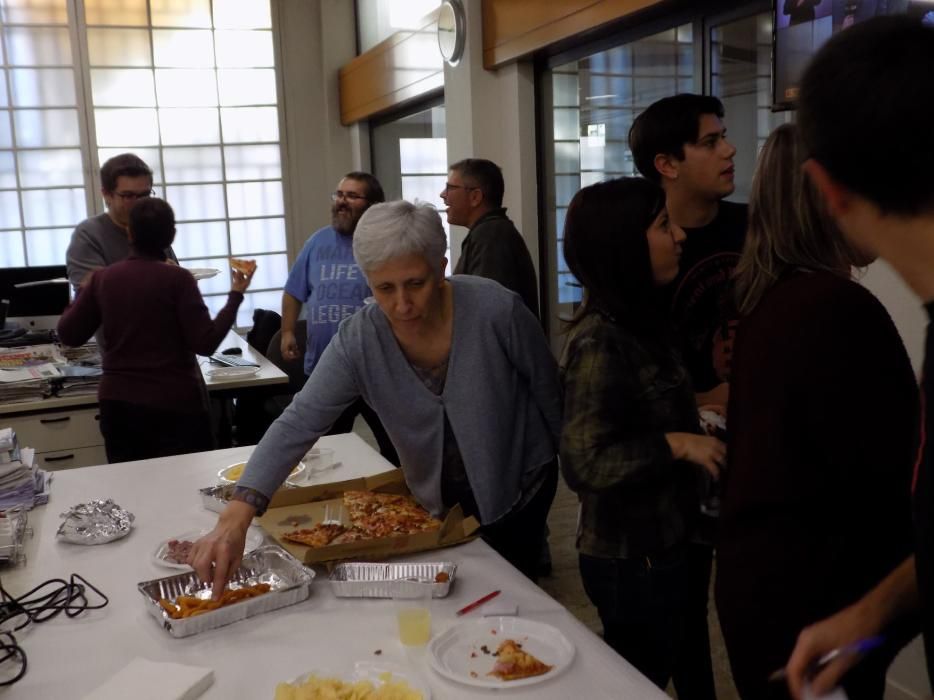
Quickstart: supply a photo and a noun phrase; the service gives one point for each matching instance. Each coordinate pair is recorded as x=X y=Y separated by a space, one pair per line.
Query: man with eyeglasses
x=328 y=281
x=493 y=248
x=103 y=239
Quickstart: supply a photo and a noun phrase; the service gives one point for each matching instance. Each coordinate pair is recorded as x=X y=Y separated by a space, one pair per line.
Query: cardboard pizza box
x=292 y=509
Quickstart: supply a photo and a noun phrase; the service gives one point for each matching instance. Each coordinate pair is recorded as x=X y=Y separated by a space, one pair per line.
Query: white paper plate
x=225 y=476
x=254 y=538
x=371 y=671
x=203 y=273
x=231 y=372
x=457 y=653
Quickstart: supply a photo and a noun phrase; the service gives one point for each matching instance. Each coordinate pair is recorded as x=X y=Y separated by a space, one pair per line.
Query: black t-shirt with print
x=701 y=296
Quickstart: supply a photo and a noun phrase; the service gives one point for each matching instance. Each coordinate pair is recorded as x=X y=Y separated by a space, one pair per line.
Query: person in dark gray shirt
x=102 y=240
x=494 y=247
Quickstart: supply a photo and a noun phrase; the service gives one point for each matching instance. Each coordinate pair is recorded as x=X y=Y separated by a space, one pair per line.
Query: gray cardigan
x=501 y=396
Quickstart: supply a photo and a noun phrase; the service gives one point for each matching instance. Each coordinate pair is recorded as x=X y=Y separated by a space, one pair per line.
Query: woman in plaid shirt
x=631 y=445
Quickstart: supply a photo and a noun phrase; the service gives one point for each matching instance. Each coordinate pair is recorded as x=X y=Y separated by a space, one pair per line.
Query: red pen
x=477 y=603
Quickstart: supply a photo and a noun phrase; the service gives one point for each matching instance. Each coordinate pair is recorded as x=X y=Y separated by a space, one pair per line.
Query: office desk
x=65 y=430
x=71 y=657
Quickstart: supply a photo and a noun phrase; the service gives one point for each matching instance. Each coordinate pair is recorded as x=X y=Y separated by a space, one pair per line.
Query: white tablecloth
x=70 y=657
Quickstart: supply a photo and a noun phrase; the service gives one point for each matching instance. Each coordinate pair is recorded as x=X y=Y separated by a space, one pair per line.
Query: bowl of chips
x=366 y=681
x=231 y=474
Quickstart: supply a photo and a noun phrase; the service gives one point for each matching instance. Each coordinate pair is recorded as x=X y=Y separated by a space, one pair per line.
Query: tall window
x=380 y=19
x=593 y=103
x=410 y=159
x=189 y=86
x=741 y=76
x=42 y=181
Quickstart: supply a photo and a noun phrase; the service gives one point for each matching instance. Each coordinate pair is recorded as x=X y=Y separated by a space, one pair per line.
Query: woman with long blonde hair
x=821 y=419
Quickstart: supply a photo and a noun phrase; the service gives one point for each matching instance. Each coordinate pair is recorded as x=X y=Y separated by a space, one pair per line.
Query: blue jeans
x=643 y=605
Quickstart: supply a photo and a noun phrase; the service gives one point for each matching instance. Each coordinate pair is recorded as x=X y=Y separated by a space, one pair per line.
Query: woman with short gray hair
x=461 y=376
x=398 y=228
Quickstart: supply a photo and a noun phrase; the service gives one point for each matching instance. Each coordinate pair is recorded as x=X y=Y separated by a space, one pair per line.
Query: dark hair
x=123 y=165
x=486 y=176
x=865 y=111
x=665 y=126
x=607 y=250
x=152 y=226
x=374 y=190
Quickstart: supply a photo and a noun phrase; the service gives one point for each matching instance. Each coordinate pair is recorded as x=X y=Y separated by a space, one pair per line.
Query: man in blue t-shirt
x=328 y=281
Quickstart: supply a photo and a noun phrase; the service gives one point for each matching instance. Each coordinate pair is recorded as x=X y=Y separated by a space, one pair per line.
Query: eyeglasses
x=448 y=187
x=348 y=196
x=131 y=196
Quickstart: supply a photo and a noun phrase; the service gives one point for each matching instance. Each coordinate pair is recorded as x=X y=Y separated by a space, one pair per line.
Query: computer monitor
x=38 y=304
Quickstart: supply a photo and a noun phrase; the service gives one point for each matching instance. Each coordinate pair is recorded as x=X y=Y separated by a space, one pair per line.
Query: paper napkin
x=142 y=679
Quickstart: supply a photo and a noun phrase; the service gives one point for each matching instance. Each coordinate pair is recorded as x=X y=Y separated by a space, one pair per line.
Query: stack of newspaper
x=22 y=483
x=83 y=372
x=26 y=374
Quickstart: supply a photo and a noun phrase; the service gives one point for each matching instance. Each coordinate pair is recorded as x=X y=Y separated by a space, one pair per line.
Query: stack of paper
x=21 y=482
x=88 y=355
x=14 y=358
x=27 y=383
x=82 y=374
x=78 y=380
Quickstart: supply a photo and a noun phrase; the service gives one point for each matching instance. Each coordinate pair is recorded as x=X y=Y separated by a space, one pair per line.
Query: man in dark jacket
x=494 y=248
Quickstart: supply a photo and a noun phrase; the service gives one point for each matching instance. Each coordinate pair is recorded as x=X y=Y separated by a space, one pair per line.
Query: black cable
x=42 y=603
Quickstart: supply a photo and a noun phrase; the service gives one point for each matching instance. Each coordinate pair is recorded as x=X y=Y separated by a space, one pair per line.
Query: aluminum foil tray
x=289 y=579
x=216 y=498
x=369 y=580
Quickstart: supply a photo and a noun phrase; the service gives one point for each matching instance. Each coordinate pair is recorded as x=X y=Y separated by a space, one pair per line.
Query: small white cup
x=412 y=602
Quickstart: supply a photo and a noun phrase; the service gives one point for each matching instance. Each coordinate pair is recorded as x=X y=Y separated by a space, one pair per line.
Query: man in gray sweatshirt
x=102 y=240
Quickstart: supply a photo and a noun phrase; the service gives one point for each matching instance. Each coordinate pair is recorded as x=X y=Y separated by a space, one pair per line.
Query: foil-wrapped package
x=95 y=522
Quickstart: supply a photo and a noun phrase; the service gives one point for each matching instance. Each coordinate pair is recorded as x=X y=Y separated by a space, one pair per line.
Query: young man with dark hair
x=864 y=110
x=102 y=240
x=494 y=248
x=680 y=143
x=328 y=282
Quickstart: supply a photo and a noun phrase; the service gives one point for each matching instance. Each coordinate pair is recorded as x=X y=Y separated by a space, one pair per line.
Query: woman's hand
x=240 y=281
x=707 y=452
x=216 y=556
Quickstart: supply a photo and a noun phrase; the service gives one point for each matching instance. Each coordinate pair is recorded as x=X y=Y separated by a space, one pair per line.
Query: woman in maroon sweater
x=153 y=402
x=822 y=415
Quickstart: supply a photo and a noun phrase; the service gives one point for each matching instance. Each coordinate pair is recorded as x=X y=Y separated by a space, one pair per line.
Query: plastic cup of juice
x=413 y=612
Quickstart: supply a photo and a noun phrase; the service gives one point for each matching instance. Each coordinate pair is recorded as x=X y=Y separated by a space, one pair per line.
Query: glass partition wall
x=589 y=103
x=410 y=157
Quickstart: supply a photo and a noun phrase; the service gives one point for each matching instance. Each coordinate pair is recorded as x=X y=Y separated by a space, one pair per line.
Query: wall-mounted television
x=800 y=27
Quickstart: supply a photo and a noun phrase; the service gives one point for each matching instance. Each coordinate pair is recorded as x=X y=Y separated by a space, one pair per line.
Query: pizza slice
x=387 y=514
x=320 y=535
x=390 y=520
x=512 y=663
x=247 y=267
x=352 y=534
x=359 y=504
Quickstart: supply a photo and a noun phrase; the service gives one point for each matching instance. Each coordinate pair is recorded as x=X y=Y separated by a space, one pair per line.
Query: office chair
x=254 y=413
